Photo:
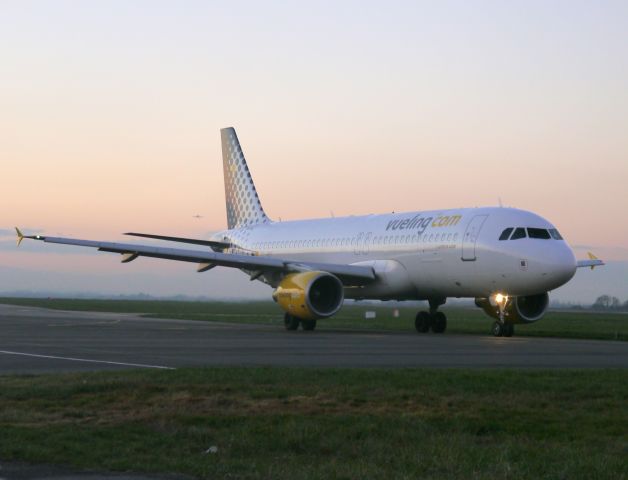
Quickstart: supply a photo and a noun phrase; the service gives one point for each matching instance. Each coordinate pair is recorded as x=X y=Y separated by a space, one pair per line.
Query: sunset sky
x=110 y=115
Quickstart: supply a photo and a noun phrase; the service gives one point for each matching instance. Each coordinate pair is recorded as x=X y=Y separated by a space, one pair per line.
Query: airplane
x=504 y=258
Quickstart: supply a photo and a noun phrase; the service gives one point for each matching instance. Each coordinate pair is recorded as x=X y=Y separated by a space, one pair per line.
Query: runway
x=35 y=340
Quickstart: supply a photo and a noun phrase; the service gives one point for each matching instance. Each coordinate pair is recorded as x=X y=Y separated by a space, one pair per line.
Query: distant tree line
x=609 y=303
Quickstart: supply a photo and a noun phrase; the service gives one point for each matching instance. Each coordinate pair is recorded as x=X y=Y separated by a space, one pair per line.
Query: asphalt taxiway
x=36 y=340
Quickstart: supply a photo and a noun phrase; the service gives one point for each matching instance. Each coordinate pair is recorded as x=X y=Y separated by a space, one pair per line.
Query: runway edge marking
x=72 y=359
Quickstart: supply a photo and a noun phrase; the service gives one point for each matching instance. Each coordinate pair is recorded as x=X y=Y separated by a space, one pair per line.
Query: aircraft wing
x=350 y=275
x=592 y=262
x=207 y=243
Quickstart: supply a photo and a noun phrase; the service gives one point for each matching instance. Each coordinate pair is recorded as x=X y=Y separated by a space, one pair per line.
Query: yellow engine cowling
x=310 y=295
x=526 y=309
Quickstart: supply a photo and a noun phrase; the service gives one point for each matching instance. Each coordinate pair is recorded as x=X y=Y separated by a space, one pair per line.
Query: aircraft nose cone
x=562 y=265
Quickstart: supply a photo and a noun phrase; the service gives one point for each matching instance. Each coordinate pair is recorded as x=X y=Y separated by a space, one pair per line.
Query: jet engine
x=310 y=295
x=527 y=309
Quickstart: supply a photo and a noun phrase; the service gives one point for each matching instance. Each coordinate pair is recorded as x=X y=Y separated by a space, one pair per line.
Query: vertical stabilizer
x=243 y=204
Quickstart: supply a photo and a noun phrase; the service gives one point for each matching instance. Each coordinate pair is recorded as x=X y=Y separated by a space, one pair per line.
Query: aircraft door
x=470 y=237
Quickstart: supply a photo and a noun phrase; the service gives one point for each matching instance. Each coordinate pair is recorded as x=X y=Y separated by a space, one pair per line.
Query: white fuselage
x=423 y=255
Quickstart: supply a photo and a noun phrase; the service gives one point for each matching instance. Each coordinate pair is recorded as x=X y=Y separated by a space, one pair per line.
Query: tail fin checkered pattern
x=243 y=204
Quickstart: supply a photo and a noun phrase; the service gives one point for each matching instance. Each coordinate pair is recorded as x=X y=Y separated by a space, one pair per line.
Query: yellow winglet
x=592 y=257
x=20 y=236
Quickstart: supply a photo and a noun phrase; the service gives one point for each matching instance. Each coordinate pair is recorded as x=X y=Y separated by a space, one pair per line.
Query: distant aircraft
x=507 y=259
x=198 y=217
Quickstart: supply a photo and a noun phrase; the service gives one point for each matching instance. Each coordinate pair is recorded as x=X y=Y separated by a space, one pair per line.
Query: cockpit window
x=519 y=233
x=555 y=235
x=506 y=233
x=538 y=233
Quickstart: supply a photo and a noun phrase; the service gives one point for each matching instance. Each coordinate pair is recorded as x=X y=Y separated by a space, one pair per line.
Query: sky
x=110 y=115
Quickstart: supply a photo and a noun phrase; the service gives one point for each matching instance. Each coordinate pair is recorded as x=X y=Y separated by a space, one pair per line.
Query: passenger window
x=555 y=235
x=519 y=233
x=506 y=233
x=538 y=233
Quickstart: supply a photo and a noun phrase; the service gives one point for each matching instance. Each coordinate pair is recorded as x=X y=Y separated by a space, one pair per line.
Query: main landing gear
x=434 y=320
x=292 y=323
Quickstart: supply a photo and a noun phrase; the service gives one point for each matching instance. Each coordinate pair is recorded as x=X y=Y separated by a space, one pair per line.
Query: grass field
x=333 y=423
x=606 y=326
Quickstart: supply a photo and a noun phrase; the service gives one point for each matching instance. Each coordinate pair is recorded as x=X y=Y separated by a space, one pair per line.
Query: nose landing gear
x=503 y=329
x=500 y=327
x=434 y=320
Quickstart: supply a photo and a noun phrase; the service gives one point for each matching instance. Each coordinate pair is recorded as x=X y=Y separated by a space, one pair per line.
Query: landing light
x=500 y=299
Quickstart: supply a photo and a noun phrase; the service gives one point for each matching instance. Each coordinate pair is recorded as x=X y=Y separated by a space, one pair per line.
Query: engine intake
x=310 y=295
x=526 y=309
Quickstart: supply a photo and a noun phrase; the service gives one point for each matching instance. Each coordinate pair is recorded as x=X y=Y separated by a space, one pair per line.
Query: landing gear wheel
x=439 y=322
x=508 y=330
x=308 y=325
x=498 y=329
x=422 y=322
x=291 y=322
